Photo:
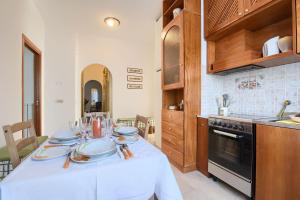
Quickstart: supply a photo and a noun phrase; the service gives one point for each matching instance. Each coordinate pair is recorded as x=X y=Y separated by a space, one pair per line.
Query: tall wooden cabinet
x=181 y=82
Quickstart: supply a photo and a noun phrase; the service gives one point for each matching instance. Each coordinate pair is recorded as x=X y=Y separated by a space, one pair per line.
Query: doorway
x=31 y=83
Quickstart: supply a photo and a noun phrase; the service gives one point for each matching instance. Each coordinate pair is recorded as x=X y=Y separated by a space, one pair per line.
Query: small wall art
x=133 y=78
x=134 y=70
x=134 y=86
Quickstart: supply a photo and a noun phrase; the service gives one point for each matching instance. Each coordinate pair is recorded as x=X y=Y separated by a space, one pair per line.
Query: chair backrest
x=142 y=123
x=13 y=146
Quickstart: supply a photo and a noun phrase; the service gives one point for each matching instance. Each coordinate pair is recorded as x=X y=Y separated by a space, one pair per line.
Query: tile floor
x=195 y=186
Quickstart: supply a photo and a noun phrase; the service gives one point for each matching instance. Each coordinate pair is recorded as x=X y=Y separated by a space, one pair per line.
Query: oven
x=231 y=153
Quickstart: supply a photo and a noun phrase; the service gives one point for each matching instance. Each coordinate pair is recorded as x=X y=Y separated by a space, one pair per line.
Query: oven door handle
x=227 y=134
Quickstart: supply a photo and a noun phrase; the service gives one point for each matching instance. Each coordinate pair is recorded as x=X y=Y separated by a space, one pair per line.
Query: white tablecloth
x=139 y=178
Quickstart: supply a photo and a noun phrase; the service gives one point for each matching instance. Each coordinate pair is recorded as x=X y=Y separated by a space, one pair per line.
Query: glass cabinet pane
x=171 y=56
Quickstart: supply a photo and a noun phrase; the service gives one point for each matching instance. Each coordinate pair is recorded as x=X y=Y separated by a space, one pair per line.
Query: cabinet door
x=172 y=58
x=298 y=25
x=221 y=13
x=252 y=5
x=202 y=146
x=277 y=163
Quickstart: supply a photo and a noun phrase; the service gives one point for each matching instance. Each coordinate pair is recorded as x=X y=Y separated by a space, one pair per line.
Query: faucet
x=281 y=112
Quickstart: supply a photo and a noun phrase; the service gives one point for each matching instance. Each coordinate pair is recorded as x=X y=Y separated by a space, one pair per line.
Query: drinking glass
x=97 y=127
x=83 y=127
x=110 y=126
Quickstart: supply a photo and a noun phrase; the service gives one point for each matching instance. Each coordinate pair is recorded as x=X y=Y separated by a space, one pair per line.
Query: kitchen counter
x=203 y=116
x=272 y=122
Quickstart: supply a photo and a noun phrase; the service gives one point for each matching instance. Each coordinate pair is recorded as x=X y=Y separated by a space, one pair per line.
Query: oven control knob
x=224 y=125
x=235 y=127
x=229 y=126
x=219 y=123
x=241 y=128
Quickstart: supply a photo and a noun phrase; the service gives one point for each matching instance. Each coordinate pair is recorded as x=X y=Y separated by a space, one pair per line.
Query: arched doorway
x=96 y=85
x=92 y=96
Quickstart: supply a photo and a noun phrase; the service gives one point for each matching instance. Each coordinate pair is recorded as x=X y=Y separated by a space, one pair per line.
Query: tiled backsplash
x=259 y=92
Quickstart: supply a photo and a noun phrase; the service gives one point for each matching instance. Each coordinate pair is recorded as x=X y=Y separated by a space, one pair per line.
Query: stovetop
x=240 y=117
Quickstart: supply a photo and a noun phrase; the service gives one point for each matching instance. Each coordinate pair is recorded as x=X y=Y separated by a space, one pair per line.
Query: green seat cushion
x=4 y=156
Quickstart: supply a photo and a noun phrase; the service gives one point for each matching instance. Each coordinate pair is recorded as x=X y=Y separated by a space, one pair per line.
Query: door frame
x=26 y=42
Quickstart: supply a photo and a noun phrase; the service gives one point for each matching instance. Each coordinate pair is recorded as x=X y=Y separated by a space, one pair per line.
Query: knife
x=126 y=156
x=67 y=162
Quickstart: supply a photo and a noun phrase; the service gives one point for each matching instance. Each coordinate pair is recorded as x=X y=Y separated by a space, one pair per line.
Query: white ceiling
x=86 y=16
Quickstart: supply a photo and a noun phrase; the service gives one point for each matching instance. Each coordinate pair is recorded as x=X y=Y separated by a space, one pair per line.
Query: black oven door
x=232 y=150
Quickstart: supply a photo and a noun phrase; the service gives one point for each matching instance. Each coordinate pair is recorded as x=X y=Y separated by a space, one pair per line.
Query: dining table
x=147 y=173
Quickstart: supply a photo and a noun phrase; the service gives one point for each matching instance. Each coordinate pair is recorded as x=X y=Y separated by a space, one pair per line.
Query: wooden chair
x=142 y=123
x=13 y=146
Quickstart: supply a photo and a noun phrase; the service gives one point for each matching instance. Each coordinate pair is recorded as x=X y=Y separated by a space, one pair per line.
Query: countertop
x=203 y=116
x=266 y=121
x=272 y=122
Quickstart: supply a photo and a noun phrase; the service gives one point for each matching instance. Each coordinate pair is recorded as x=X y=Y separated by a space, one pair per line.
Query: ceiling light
x=111 y=21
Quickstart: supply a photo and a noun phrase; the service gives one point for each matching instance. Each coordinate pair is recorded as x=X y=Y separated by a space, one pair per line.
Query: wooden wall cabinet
x=237 y=43
x=277 y=163
x=220 y=13
x=252 y=5
x=181 y=82
x=202 y=146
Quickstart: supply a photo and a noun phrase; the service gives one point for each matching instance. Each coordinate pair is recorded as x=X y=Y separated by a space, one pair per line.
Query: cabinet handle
x=246 y=10
x=240 y=13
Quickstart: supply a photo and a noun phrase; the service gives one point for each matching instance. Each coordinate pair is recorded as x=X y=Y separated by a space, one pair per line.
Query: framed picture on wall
x=134 y=86
x=134 y=70
x=133 y=78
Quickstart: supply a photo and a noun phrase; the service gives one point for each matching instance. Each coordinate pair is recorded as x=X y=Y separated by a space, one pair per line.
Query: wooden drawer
x=174 y=117
x=173 y=129
x=172 y=154
x=173 y=141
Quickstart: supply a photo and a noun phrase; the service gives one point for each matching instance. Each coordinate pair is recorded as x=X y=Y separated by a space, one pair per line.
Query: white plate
x=91 y=159
x=66 y=135
x=296 y=119
x=96 y=147
x=127 y=130
x=127 y=140
x=67 y=142
x=51 y=153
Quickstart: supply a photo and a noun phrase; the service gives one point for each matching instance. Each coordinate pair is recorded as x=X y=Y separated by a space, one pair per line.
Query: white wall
x=59 y=77
x=16 y=17
x=117 y=54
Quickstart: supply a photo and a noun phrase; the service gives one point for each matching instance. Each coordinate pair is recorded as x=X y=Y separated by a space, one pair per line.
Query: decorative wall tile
x=259 y=92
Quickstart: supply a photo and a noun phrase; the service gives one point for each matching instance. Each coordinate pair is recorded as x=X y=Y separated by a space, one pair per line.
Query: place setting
x=89 y=140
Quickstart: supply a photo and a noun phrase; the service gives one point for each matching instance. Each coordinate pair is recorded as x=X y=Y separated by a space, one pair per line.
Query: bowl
x=270 y=47
x=172 y=107
x=176 y=12
x=285 y=44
